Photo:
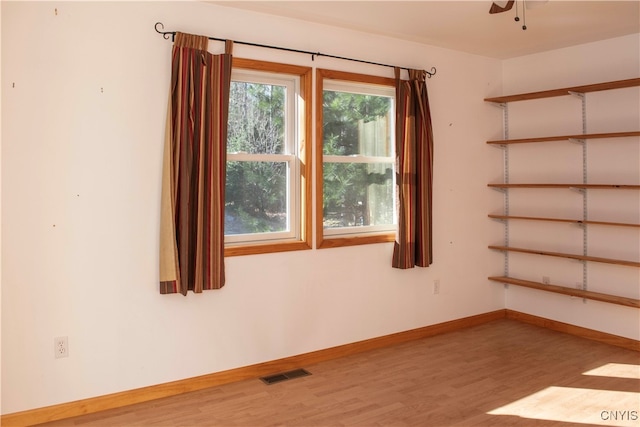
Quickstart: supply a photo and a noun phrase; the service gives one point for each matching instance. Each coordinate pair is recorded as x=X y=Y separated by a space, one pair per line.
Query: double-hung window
x=355 y=169
x=267 y=193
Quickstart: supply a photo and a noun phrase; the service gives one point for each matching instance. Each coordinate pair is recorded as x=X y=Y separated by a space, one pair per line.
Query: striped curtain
x=414 y=163
x=194 y=167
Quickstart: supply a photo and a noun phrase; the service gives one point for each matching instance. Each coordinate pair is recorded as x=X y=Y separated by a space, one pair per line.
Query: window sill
x=337 y=242
x=265 y=248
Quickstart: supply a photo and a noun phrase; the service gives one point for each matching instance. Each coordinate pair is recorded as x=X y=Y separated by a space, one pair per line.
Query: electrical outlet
x=436 y=286
x=61 y=347
x=546 y=280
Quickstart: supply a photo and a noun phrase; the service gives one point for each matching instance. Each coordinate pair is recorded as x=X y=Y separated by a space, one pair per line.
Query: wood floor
x=502 y=373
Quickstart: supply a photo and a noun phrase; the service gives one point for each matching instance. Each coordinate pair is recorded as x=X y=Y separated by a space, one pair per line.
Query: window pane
x=356 y=124
x=256 y=197
x=358 y=194
x=256 y=118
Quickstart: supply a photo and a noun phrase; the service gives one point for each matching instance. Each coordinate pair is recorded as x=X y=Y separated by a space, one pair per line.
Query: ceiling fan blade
x=496 y=6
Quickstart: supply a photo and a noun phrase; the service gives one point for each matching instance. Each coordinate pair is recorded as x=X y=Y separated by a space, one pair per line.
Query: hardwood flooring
x=502 y=373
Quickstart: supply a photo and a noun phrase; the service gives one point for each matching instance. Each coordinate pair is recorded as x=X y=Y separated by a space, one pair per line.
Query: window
x=267 y=193
x=355 y=159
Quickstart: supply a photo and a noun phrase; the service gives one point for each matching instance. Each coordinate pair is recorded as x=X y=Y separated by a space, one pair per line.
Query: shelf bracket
x=505 y=120
x=505 y=159
x=498 y=104
x=585 y=175
x=584 y=274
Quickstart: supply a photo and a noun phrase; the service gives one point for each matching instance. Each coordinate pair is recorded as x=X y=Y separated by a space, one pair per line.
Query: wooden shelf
x=596 y=296
x=582 y=138
x=570 y=256
x=619 y=84
x=565 y=137
x=574 y=221
x=585 y=186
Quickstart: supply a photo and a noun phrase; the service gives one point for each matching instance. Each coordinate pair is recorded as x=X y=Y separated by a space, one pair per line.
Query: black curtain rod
x=172 y=34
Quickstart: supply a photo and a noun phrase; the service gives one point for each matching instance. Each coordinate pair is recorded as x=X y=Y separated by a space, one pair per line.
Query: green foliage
x=256 y=118
x=255 y=198
x=341 y=113
x=256 y=191
x=349 y=187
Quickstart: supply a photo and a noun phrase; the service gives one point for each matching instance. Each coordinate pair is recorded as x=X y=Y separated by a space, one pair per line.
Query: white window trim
x=359 y=88
x=356 y=158
x=291 y=157
x=363 y=89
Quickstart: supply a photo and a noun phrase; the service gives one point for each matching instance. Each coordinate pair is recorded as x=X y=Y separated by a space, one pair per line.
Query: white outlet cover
x=61 y=347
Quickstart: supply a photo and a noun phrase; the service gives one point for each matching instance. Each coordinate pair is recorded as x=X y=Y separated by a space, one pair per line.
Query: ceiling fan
x=500 y=6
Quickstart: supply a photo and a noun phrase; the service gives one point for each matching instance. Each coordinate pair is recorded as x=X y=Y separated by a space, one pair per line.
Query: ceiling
x=467 y=25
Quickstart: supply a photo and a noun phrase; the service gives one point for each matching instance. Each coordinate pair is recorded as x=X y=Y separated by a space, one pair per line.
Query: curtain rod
x=172 y=34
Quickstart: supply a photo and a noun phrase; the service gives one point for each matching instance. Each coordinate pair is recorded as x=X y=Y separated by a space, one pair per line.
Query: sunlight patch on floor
x=577 y=405
x=616 y=370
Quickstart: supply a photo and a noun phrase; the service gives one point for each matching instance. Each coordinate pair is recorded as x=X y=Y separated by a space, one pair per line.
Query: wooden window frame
x=304 y=240
x=323 y=241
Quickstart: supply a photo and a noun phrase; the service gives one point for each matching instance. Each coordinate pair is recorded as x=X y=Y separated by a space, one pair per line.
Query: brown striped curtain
x=194 y=168
x=414 y=179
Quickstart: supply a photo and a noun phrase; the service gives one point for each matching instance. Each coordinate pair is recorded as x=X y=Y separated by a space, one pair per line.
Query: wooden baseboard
x=579 y=331
x=145 y=394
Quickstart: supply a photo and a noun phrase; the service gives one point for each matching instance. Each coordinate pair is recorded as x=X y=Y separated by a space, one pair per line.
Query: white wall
x=82 y=142
x=608 y=161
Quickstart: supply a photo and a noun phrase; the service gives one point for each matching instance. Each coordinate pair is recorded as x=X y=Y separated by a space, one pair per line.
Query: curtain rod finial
x=165 y=34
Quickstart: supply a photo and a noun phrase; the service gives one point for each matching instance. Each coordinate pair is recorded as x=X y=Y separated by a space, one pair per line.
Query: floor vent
x=297 y=373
